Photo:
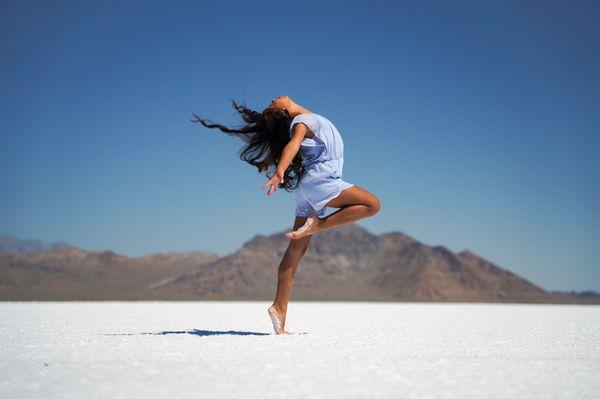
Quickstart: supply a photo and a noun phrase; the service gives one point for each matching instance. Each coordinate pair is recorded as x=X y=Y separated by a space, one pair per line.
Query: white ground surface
x=346 y=350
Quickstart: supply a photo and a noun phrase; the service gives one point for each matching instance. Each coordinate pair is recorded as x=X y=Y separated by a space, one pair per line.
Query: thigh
x=353 y=196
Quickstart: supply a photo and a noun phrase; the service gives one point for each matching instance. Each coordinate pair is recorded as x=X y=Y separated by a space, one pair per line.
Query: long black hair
x=266 y=134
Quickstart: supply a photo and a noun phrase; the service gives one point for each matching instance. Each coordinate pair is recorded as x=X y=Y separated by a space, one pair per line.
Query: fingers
x=268 y=182
x=273 y=185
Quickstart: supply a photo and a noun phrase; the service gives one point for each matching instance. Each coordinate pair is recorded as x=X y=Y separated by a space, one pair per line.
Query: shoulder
x=311 y=121
x=303 y=117
x=308 y=119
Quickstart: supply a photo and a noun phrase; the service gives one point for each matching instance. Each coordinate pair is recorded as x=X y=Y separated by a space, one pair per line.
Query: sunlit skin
x=354 y=203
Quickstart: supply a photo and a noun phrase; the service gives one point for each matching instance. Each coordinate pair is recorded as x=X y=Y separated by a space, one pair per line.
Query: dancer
x=305 y=153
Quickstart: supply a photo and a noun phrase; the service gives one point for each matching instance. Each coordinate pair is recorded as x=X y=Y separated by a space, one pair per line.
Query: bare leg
x=285 y=278
x=355 y=203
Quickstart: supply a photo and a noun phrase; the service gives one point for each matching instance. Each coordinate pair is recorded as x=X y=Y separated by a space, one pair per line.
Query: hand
x=274 y=181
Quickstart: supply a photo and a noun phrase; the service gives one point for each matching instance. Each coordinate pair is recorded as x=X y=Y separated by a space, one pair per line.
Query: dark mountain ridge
x=345 y=263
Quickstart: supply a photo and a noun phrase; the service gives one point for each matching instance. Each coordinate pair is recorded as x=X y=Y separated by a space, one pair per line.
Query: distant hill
x=345 y=263
x=9 y=243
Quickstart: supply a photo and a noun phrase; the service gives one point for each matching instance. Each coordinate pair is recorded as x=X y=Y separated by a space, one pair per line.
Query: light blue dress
x=323 y=158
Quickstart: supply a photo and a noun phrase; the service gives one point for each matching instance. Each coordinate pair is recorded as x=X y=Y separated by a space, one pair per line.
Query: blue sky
x=477 y=125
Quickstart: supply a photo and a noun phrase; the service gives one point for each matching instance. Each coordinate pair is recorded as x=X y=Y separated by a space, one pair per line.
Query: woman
x=306 y=152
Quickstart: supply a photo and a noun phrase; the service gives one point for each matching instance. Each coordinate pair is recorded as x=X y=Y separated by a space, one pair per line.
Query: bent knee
x=374 y=206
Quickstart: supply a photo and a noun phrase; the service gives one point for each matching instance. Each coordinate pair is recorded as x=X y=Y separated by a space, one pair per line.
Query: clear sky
x=475 y=123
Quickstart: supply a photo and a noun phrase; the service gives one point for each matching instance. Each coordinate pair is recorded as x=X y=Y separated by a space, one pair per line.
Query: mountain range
x=9 y=243
x=344 y=263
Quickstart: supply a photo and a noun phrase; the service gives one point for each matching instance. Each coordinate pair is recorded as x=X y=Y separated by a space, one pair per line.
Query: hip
x=325 y=169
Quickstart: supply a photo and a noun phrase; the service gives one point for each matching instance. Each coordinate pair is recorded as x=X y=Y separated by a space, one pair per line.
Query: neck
x=300 y=110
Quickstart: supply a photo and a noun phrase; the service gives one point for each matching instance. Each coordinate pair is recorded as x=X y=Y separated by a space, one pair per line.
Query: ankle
x=319 y=224
x=278 y=308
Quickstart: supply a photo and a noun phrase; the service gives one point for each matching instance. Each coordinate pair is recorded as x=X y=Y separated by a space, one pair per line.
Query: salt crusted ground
x=346 y=350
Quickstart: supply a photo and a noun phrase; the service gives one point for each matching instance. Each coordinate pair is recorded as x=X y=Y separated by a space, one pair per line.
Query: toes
x=293 y=234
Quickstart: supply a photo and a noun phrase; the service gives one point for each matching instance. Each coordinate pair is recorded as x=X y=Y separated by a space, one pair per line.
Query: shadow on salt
x=203 y=333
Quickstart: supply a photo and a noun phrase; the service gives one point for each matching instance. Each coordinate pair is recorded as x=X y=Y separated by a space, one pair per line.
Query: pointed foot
x=309 y=227
x=275 y=316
